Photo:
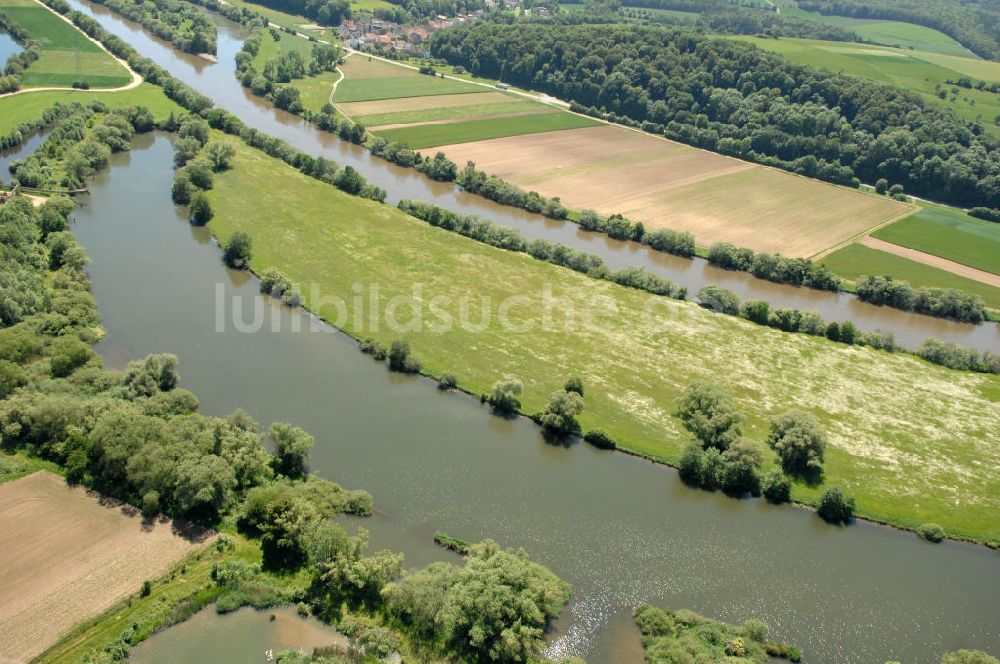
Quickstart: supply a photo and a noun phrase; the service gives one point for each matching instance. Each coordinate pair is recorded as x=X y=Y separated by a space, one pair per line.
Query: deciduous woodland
x=739 y=100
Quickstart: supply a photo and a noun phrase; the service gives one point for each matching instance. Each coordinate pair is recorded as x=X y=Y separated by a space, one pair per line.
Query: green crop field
x=922 y=73
x=64 y=50
x=395 y=87
x=855 y=260
x=912 y=441
x=451 y=112
x=432 y=135
x=29 y=106
x=950 y=234
x=893 y=33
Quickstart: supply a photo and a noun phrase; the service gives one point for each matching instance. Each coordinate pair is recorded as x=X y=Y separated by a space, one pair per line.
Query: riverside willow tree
x=708 y=413
x=737 y=99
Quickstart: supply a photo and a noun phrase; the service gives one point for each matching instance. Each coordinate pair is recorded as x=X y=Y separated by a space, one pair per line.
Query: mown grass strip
x=426 y=136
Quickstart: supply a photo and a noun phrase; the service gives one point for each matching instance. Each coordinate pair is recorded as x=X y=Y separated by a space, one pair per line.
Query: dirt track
x=934 y=261
x=66 y=555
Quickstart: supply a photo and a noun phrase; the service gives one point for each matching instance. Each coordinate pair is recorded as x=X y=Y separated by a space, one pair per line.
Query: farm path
x=934 y=261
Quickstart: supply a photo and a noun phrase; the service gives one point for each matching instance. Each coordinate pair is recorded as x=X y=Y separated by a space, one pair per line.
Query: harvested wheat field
x=380 y=106
x=665 y=184
x=69 y=554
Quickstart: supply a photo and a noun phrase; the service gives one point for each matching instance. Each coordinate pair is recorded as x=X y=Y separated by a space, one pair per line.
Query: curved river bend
x=218 y=82
x=621 y=530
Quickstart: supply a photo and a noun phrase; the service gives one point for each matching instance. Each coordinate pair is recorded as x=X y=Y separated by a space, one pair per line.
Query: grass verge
x=428 y=136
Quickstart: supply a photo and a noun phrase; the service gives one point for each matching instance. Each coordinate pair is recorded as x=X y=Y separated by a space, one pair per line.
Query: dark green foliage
x=959 y=357
x=371 y=347
x=734 y=471
x=799 y=442
x=931 y=532
x=238 y=250
x=559 y=416
x=574 y=384
x=291 y=448
x=67 y=353
x=401 y=358
x=439 y=168
x=708 y=413
x=504 y=398
x=719 y=299
x=968 y=657
x=598 y=438
x=494 y=608
x=734 y=98
x=684 y=636
x=173 y=21
x=201 y=209
x=776 y=487
x=943 y=302
x=835 y=506
x=447 y=381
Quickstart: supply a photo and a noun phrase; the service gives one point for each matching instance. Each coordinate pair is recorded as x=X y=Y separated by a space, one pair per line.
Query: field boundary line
x=860 y=236
x=982 y=276
x=134 y=83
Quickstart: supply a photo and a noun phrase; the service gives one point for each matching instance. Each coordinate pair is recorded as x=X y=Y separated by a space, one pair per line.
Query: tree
x=776 y=487
x=741 y=463
x=559 y=417
x=798 y=440
x=931 y=532
x=881 y=186
x=835 y=506
x=574 y=384
x=67 y=353
x=401 y=358
x=504 y=399
x=205 y=486
x=707 y=412
x=201 y=209
x=291 y=448
x=238 y=250
x=719 y=299
x=220 y=156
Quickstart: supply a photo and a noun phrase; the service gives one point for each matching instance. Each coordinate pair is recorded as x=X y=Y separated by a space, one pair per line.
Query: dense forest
x=974 y=23
x=740 y=100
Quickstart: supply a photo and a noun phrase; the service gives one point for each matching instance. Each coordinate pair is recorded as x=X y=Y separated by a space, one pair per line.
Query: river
x=218 y=82
x=622 y=530
x=8 y=47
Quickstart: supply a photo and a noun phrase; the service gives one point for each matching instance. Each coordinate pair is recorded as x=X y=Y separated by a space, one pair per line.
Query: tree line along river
x=621 y=530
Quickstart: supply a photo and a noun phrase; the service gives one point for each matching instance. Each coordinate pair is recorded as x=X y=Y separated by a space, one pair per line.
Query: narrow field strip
x=427 y=136
x=932 y=260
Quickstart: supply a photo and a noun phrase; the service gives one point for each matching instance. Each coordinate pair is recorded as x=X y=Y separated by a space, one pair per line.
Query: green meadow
x=912 y=441
x=950 y=234
x=396 y=87
x=920 y=72
x=432 y=135
x=64 y=51
x=855 y=260
x=314 y=91
x=450 y=112
x=271 y=49
x=29 y=106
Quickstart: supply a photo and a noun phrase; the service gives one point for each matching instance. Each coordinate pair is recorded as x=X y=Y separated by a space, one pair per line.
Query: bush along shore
x=137 y=435
x=941 y=302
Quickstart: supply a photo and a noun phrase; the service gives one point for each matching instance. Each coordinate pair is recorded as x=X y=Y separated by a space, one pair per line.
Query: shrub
x=559 y=417
x=67 y=354
x=798 y=440
x=598 y=438
x=574 y=385
x=401 y=358
x=775 y=487
x=447 y=381
x=371 y=347
x=201 y=210
x=835 y=506
x=238 y=250
x=931 y=532
x=719 y=299
x=504 y=398
x=708 y=412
